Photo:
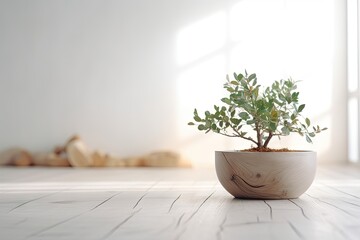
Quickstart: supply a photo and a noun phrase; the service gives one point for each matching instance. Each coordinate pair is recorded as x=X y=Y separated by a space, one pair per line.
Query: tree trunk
x=259 y=137
x=268 y=139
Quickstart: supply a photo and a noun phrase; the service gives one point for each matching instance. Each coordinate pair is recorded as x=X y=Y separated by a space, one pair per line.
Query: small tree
x=275 y=111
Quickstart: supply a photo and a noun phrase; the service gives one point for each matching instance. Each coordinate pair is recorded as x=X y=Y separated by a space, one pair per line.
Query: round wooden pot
x=265 y=175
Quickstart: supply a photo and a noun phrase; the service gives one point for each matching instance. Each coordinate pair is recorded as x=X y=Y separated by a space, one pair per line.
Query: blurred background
x=126 y=75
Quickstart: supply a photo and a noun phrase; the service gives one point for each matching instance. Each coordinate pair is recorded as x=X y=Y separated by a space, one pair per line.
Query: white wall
x=126 y=75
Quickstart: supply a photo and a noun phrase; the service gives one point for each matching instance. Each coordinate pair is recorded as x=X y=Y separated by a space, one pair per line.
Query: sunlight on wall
x=353 y=121
x=256 y=21
x=200 y=85
x=276 y=39
x=201 y=38
x=353 y=81
x=257 y=34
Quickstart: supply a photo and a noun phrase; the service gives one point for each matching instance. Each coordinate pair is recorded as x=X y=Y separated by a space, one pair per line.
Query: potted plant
x=261 y=172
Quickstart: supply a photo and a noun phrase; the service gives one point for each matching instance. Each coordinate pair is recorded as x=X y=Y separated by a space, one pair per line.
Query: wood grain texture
x=99 y=204
x=274 y=175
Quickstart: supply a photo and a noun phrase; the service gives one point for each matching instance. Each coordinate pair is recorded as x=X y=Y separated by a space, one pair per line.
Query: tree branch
x=246 y=138
x=250 y=139
x=228 y=135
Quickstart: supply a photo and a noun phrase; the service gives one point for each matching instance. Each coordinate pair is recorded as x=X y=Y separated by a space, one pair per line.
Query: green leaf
x=213 y=126
x=260 y=104
x=272 y=126
x=244 y=115
x=285 y=130
x=191 y=123
x=281 y=97
x=243 y=133
x=312 y=134
x=234 y=82
x=201 y=127
x=230 y=89
x=288 y=99
x=217 y=115
x=301 y=107
x=274 y=114
x=252 y=76
x=256 y=92
x=324 y=129
x=197 y=118
x=235 y=76
x=235 y=121
x=294 y=96
x=252 y=121
x=308 y=139
x=307 y=122
x=226 y=100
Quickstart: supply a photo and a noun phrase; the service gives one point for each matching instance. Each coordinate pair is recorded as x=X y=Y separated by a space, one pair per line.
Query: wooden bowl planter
x=265 y=175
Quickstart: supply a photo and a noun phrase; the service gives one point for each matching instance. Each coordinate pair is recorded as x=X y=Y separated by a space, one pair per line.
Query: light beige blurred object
x=6 y=155
x=155 y=159
x=16 y=156
x=114 y=161
x=99 y=159
x=55 y=160
x=138 y=161
x=165 y=159
x=184 y=163
x=40 y=159
x=59 y=150
x=78 y=153
x=22 y=159
x=50 y=159
x=161 y=159
x=72 y=138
